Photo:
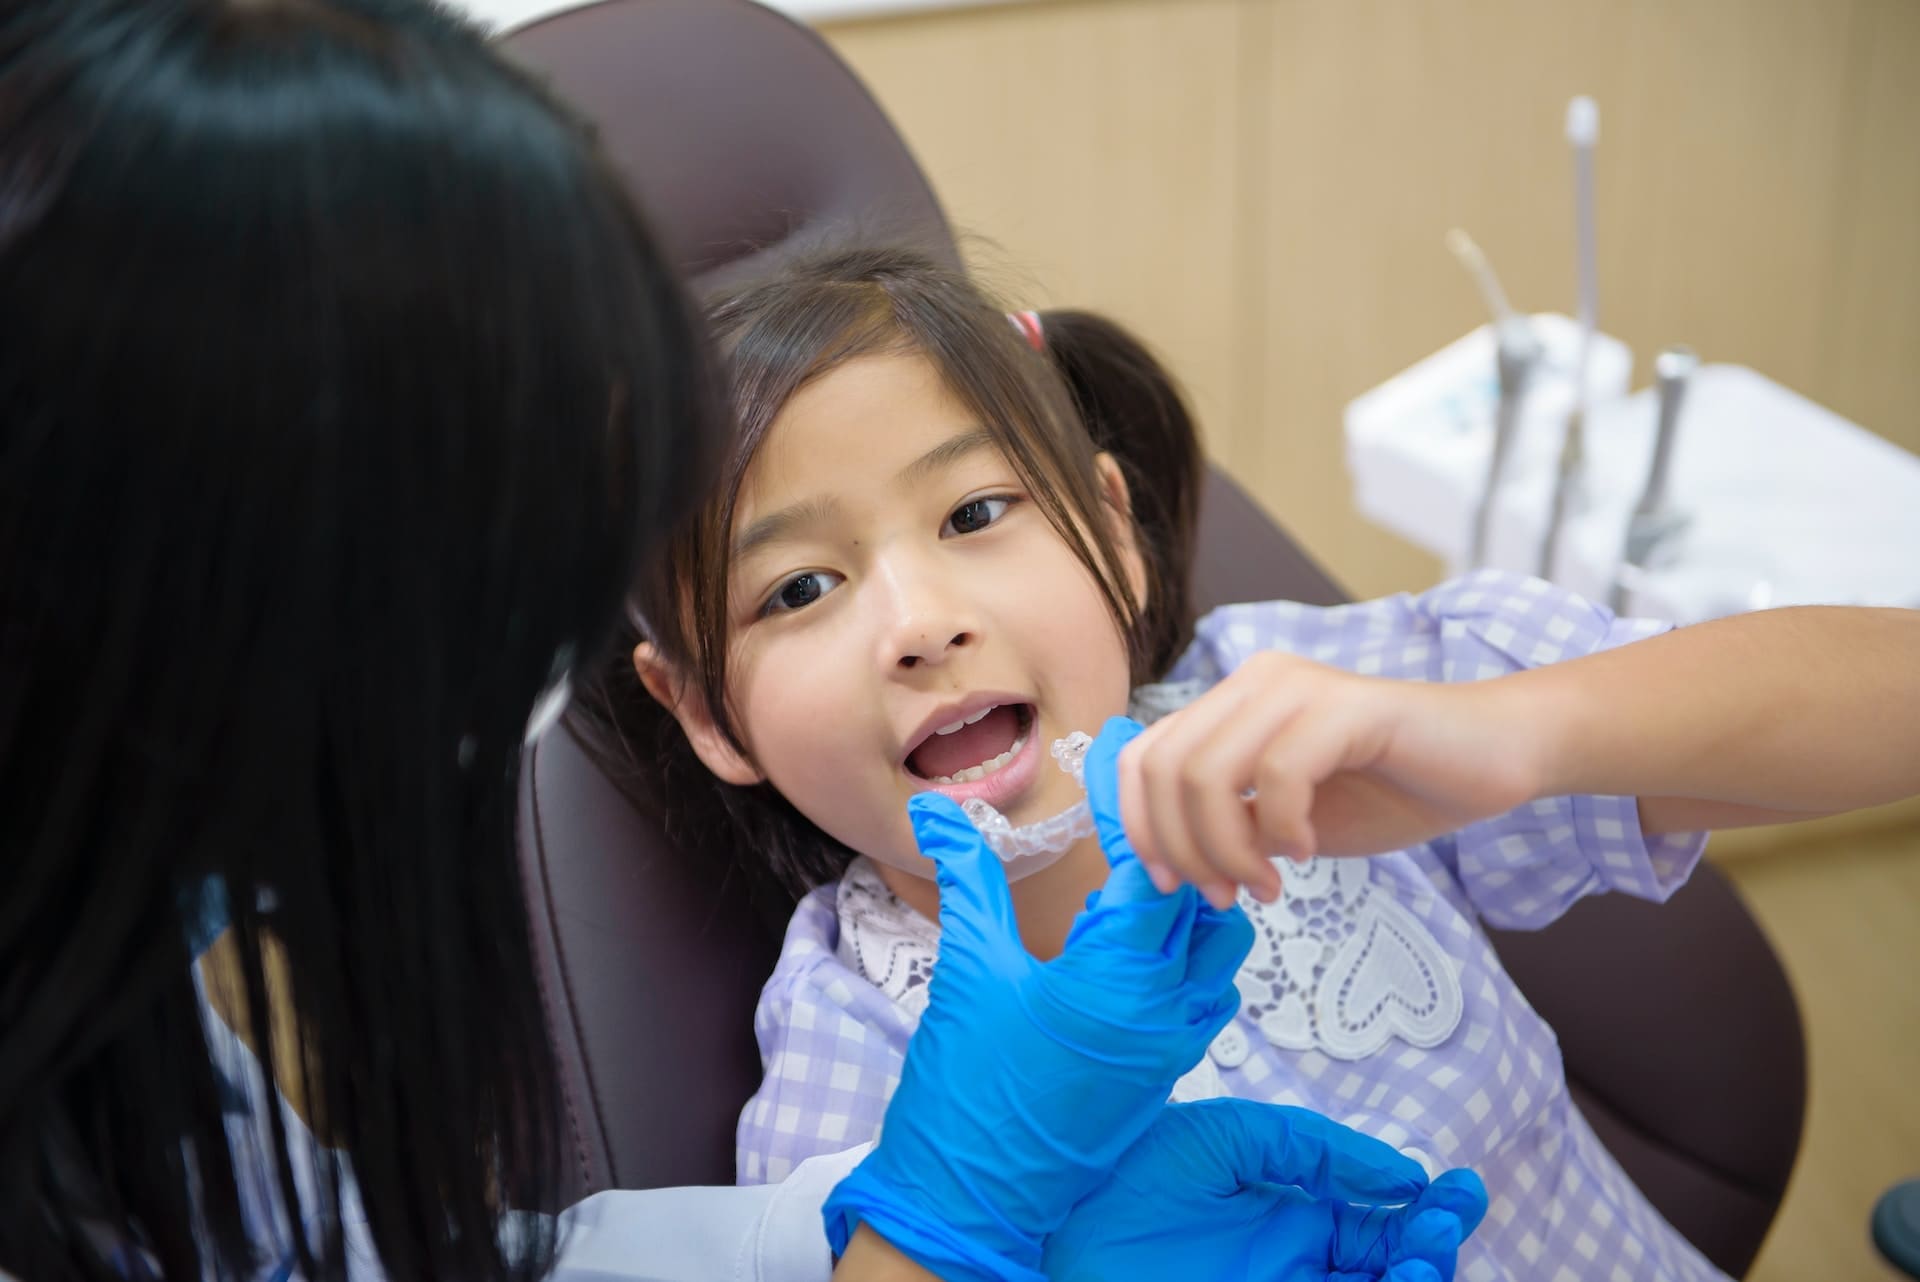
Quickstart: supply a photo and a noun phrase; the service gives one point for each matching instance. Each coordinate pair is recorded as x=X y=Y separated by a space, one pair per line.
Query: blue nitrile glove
x=1027 y=1081
x=1230 y=1189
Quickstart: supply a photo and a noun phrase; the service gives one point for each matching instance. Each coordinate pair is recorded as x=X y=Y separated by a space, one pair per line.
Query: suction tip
x=1583 y=122
x=1470 y=256
x=1462 y=247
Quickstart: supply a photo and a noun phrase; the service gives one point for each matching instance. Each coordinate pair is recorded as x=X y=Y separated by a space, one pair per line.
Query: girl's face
x=903 y=618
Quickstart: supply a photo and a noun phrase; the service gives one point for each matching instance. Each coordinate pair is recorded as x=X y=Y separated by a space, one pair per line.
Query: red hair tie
x=1028 y=323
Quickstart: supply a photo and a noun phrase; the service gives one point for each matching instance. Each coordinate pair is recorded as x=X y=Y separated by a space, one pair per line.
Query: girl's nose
x=928 y=647
x=926 y=619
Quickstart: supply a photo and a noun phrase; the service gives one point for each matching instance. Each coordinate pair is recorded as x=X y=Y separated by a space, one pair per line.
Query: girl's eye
x=800 y=591
x=977 y=514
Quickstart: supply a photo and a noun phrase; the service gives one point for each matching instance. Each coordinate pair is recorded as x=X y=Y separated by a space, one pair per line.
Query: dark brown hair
x=1095 y=388
x=341 y=391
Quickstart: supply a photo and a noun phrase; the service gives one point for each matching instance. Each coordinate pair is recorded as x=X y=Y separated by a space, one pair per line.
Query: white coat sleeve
x=766 y=1233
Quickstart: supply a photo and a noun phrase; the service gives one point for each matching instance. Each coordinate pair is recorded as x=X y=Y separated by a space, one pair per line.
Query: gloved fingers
x=1128 y=933
x=1084 y=920
x=1337 y=1161
x=1206 y=1014
x=1100 y=770
x=1413 y=1271
x=1221 y=941
x=1430 y=1228
x=1127 y=887
x=1461 y=1193
x=976 y=908
x=1130 y=911
x=1274 y=1144
x=1431 y=1237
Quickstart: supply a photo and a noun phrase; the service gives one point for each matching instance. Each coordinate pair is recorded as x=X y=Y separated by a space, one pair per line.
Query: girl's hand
x=1336 y=764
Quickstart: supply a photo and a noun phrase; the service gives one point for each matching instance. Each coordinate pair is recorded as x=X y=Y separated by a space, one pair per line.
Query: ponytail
x=1133 y=409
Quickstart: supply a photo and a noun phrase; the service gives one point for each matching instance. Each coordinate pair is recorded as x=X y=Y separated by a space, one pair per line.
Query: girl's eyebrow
x=786 y=522
x=947 y=453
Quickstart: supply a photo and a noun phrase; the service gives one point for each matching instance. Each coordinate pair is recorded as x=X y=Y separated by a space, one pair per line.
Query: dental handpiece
x=1517 y=352
x=1652 y=522
x=1046 y=836
x=1673 y=370
x=1471 y=257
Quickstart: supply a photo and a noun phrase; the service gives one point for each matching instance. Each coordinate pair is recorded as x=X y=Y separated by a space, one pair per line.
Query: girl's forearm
x=1806 y=711
x=871 y=1258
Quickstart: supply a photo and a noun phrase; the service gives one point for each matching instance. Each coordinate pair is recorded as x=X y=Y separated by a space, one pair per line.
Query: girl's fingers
x=1280 y=725
x=1215 y=777
x=976 y=908
x=1166 y=874
x=1290 y=770
x=1184 y=783
x=1192 y=756
x=1155 y=758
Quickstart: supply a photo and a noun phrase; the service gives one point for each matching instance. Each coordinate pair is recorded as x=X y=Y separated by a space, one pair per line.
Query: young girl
x=944 y=542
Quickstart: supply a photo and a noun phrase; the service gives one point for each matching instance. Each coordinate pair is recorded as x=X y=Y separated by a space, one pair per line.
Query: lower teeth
x=1048 y=836
x=985 y=768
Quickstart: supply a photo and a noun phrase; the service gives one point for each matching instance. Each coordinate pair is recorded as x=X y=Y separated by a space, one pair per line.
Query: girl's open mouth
x=989 y=755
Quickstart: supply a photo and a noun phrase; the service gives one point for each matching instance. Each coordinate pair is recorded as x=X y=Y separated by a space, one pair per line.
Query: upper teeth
x=964 y=722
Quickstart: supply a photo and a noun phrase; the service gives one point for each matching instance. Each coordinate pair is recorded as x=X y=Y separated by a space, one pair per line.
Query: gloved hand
x=1027 y=1081
x=1231 y=1189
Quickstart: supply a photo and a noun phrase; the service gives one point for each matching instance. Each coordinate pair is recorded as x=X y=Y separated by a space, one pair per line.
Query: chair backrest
x=744 y=135
x=746 y=138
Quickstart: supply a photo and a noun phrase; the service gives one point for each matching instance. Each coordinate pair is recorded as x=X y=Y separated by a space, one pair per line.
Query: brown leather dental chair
x=745 y=137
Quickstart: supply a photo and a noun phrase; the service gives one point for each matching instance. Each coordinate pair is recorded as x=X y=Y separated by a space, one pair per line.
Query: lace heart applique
x=1339 y=966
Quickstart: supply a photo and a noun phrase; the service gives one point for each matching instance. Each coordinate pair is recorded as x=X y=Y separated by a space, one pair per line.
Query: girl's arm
x=1761 y=718
x=1758 y=718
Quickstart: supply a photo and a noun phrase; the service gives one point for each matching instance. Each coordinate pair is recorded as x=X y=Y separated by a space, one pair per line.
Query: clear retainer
x=1046 y=836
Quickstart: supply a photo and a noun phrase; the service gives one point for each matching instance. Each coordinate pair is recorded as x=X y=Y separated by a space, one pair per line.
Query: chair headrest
x=743 y=135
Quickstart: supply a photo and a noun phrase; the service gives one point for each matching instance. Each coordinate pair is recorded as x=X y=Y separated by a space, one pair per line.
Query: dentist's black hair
x=340 y=387
x=1090 y=387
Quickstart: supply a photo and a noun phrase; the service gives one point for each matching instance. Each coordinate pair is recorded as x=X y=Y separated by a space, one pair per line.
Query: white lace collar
x=887 y=943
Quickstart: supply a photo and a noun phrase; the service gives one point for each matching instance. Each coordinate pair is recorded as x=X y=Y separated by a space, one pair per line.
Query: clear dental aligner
x=1046 y=836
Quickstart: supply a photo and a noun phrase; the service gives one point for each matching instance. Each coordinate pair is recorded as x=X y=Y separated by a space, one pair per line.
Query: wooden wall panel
x=1261 y=187
x=1869 y=355
x=1089 y=151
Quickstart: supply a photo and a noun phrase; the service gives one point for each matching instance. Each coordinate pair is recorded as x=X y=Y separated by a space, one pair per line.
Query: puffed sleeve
x=1525 y=868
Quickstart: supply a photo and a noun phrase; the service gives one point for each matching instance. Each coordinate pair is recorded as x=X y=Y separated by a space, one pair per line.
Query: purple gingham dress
x=1372 y=994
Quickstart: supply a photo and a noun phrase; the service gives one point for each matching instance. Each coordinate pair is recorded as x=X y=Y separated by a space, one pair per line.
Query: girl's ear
x=671 y=690
x=1126 y=532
